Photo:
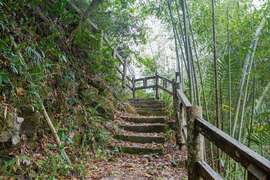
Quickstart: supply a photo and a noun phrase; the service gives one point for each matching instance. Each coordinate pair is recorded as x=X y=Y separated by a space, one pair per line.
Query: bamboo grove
x=222 y=56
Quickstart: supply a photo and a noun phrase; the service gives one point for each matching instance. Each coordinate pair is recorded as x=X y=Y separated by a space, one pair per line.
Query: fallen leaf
x=20 y=91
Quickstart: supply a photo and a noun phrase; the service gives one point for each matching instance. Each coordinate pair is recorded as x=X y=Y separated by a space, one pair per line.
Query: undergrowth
x=60 y=62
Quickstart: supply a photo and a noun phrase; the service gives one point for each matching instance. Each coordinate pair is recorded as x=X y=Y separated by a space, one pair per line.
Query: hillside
x=50 y=57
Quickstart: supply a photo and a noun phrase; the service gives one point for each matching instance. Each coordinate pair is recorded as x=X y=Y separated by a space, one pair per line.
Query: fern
x=37 y=57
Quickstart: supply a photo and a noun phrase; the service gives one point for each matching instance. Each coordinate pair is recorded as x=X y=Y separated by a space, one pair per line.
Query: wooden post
x=176 y=74
x=133 y=87
x=124 y=73
x=194 y=142
x=157 y=92
x=178 y=134
x=144 y=82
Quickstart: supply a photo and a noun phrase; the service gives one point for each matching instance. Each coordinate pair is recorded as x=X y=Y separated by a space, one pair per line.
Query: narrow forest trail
x=146 y=152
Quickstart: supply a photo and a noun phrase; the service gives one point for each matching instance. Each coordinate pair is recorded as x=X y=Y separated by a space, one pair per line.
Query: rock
x=11 y=130
x=16 y=131
x=25 y=162
x=5 y=136
x=32 y=120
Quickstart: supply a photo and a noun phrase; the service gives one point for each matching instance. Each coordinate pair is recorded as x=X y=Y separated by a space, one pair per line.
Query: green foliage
x=149 y=65
x=51 y=55
x=54 y=166
x=168 y=100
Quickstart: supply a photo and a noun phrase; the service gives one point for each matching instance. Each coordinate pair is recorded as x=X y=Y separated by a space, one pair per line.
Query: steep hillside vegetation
x=51 y=56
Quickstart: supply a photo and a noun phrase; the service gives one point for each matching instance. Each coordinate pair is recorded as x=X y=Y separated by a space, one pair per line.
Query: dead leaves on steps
x=170 y=165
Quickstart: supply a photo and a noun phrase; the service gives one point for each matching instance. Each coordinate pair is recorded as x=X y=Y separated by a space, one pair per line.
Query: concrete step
x=140 y=139
x=145 y=119
x=138 y=148
x=153 y=127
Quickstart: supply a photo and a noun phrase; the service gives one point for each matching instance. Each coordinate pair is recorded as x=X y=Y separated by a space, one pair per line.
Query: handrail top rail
x=183 y=98
x=145 y=78
x=164 y=78
x=152 y=77
x=232 y=147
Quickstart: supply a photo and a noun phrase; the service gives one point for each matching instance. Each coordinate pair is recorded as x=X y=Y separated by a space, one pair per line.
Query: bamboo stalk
x=43 y=108
x=246 y=70
x=58 y=141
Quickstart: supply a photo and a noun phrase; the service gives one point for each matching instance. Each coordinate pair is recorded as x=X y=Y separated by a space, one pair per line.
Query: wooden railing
x=152 y=82
x=191 y=130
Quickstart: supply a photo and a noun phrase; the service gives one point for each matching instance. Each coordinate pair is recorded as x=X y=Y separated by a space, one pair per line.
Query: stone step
x=152 y=112
x=143 y=100
x=143 y=105
x=146 y=102
x=138 y=148
x=150 y=109
x=154 y=127
x=140 y=139
x=145 y=119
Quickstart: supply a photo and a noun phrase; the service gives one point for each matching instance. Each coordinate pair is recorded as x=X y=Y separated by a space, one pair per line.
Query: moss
x=71 y=77
x=6 y=122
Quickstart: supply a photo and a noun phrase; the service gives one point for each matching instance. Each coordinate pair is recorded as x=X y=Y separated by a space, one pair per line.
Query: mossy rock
x=6 y=123
x=32 y=120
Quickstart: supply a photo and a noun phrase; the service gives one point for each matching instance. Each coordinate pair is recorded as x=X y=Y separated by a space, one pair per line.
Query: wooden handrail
x=237 y=151
x=257 y=166
x=147 y=78
x=157 y=86
x=166 y=90
x=164 y=78
x=192 y=129
x=206 y=172
x=183 y=99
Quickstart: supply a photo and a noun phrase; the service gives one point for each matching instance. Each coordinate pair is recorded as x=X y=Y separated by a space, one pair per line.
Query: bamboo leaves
x=248 y=62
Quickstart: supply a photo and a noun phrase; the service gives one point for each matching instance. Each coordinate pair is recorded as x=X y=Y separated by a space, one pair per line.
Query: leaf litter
x=120 y=166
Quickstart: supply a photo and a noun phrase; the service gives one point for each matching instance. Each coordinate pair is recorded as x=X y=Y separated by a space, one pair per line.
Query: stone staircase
x=142 y=133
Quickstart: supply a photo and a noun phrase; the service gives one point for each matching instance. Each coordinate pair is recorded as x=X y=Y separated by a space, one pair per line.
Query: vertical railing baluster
x=157 y=82
x=144 y=82
x=133 y=87
x=124 y=73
